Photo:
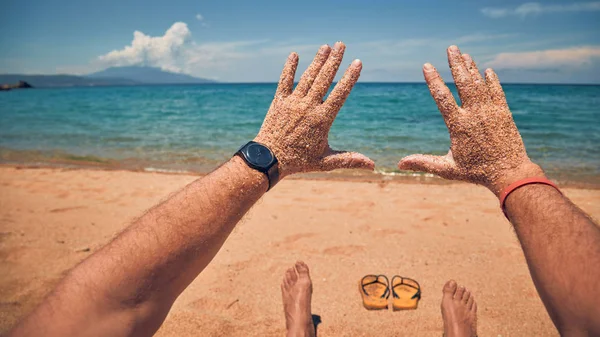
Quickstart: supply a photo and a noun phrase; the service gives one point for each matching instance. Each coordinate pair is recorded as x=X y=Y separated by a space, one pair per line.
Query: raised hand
x=297 y=125
x=486 y=147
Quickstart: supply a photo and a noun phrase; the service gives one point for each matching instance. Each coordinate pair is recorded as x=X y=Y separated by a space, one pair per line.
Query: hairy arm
x=561 y=243
x=128 y=287
x=562 y=247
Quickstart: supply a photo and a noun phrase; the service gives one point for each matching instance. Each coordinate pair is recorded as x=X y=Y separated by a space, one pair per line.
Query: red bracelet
x=520 y=183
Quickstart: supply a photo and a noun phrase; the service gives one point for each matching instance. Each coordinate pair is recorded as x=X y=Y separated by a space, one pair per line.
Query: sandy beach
x=52 y=218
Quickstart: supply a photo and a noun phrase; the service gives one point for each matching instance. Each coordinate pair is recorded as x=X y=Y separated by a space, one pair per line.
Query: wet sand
x=52 y=218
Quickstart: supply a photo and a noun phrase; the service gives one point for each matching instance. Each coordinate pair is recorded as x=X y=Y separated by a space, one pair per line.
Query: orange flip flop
x=374 y=292
x=407 y=293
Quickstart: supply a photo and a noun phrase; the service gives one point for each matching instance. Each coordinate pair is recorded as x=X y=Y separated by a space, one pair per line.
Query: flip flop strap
x=418 y=288
x=386 y=294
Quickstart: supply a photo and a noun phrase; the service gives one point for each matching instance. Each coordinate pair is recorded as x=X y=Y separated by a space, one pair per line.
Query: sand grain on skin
x=297 y=124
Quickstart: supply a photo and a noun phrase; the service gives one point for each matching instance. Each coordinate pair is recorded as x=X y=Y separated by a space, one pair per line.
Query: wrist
x=523 y=171
x=277 y=152
x=254 y=178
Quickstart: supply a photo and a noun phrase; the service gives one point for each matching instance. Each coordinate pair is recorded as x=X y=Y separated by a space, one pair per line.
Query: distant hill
x=46 y=81
x=147 y=75
x=107 y=77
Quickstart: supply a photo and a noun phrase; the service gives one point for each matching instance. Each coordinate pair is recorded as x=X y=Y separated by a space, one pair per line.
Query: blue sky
x=248 y=41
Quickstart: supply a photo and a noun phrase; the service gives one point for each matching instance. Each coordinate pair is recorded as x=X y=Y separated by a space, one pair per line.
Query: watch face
x=259 y=155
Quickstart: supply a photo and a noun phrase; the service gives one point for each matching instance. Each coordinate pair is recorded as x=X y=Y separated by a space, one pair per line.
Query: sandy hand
x=297 y=125
x=486 y=147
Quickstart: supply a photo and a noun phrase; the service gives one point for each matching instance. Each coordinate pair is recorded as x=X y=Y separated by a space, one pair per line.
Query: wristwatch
x=261 y=158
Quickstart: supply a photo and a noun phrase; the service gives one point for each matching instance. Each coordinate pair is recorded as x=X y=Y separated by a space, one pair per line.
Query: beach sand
x=51 y=219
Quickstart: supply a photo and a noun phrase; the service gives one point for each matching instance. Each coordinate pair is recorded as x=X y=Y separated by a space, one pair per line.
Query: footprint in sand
x=343 y=250
x=386 y=232
x=293 y=238
x=65 y=209
x=232 y=307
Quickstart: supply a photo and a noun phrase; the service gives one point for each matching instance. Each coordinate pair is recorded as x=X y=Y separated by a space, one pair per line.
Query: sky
x=248 y=41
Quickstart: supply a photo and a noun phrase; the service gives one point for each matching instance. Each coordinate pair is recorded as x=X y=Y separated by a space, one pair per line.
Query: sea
x=195 y=128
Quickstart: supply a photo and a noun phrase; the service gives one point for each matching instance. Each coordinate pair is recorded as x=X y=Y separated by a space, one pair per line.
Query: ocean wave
x=404 y=173
x=161 y=170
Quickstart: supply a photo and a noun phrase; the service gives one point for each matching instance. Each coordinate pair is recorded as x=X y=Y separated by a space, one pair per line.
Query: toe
x=450 y=287
x=474 y=309
x=302 y=268
x=290 y=276
x=285 y=284
x=460 y=291
x=293 y=275
x=470 y=302
x=466 y=296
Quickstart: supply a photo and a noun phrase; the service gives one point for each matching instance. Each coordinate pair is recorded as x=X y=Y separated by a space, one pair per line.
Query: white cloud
x=159 y=51
x=535 y=8
x=495 y=12
x=545 y=59
x=176 y=51
x=200 y=18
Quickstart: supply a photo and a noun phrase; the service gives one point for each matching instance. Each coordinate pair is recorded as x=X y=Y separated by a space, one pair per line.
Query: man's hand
x=164 y=250
x=486 y=147
x=297 y=125
x=559 y=240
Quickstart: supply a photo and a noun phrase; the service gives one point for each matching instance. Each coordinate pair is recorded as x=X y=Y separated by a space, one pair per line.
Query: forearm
x=128 y=287
x=135 y=279
x=174 y=241
x=562 y=247
x=561 y=244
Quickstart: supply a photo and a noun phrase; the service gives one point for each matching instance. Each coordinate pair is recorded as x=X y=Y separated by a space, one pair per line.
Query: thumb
x=442 y=166
x=346 y=160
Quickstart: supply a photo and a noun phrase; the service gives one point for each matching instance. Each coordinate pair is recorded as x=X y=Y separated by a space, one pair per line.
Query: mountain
x=147 y=75
x=49 y=81
x=108 y=77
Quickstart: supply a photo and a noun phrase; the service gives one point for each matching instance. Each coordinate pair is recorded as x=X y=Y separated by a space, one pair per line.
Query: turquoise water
x=194 y=128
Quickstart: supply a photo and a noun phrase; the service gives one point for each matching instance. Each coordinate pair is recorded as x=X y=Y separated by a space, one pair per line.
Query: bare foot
x=459 y=311
x=296 y=290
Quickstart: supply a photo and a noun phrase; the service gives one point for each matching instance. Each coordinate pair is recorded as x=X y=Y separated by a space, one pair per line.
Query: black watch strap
x=271 y=171
x=273 y=175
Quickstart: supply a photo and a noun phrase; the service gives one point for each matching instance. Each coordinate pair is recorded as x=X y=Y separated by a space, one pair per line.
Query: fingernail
x=293 y=56
x=338 y=45
x=453 y=48
x=356 y=62
x=324 y=49
x=467 y=58
x=428 y=67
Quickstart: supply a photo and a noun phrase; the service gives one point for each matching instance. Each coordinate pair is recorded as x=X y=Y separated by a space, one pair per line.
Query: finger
x=311 y=73
x=495 y=89
x=461 y=75
x=327 y=73
x=478 y=82
x=286 y=81
x=441 y=94
x=346 y=160
x=472 y=68
x=342 y=89
x=442 y=166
